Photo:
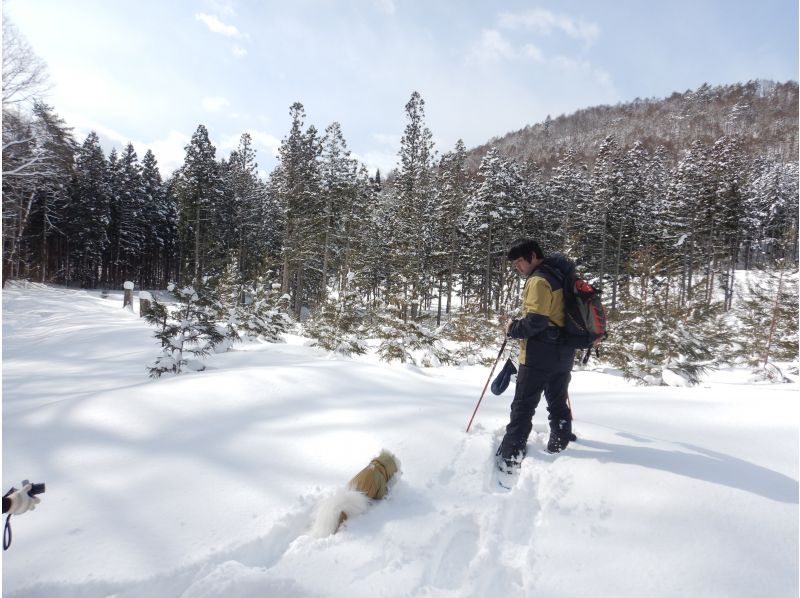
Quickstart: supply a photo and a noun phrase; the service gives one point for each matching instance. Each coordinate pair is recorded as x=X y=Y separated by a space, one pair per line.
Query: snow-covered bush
x=336 y=325
x=225 y=302
x=474 y=332
x=655 y=341
x=264 y=313
x=766 y=321
x=401 y=340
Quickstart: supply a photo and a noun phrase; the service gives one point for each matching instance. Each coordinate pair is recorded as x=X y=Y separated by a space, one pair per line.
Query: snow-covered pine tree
x=493 y=215
x=264 y=314
x=655 y=340
x=194 y=333
x=771 y=212
x=470 y=328
x=159 y=316
x=338 y=194
x=768 y=320
x=359 y=233
x=198 y=189
x=452 y=190
x=337 y=324
x=605 y=218
x=227 y=303
x=295 y=184
x=413 y=196
x=568 y=193
x=131 y=225
x=407 y=341
x=728 y=227
x=161 y=222
x=241 y=220
x=45 y=235
x=689 y=191
x=89 y=212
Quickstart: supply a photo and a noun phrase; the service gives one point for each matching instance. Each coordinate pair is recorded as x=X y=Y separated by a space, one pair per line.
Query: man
x=545 y=362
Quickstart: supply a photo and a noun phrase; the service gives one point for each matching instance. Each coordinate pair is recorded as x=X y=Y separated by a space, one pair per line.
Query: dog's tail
x=332 y=511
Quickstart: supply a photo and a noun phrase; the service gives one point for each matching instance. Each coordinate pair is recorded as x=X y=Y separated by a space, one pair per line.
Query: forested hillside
x=762 y=113
x=659 y=202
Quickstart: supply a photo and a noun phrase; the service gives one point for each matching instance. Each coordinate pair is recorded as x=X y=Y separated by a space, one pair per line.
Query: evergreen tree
x=192 y=333
x=336 y=325
x=569 y=197
x=132 y=224
x=492 y=218
x=296 y=187
x=198 y=189
x=410 y=245
x=45 y=233
x=264 y=313
x=160 y=218
x=768 y=320
x=453 y=186
x=657 y=342
x=337 y=190
x=89 y=212
x=605 y=225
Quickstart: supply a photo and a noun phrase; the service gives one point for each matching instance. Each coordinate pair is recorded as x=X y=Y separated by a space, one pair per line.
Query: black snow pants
x=531 y=382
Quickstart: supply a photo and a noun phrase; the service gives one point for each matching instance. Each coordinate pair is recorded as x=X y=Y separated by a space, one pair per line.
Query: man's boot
x=560 y=435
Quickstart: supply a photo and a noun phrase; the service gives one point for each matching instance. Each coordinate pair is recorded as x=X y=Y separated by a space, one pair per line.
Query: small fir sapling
x=264 y=313
x=188 y=331
x=226 y=303
x=400 y=339
x=474 y=332
x=336 y=325
x=657 y=342
x=768 y=321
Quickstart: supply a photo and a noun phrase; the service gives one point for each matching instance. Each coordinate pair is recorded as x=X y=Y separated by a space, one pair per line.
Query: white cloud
x=384 y=161
x=388 y=6
x=390 y=140
x=494 y=47
x=239 y=51
x=216 y=26
x=169 y=152
x=543 y=21
x=214 y=104
x=266 y=140
x=260 y=138
x=532 y=52
x=223 y=7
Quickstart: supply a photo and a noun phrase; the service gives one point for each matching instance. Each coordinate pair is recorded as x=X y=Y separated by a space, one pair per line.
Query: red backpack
x=584 y=315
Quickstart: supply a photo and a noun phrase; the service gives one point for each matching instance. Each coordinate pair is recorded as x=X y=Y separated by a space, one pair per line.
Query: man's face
x=523 y=266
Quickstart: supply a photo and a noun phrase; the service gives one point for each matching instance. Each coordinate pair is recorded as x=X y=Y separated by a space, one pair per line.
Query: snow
x=128 y=285
x=206 y=484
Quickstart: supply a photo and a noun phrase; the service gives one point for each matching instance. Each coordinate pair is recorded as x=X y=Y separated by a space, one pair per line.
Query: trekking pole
x=496 y=361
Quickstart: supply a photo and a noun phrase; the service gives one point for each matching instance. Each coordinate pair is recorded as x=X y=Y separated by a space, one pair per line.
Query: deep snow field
x=205 y=484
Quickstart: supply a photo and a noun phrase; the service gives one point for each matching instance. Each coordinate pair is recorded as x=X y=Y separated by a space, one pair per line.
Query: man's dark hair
x=527 y=248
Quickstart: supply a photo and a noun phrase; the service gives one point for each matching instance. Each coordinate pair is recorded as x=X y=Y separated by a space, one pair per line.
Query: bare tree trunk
x=439 y=304
x=615 y=285
x=487 y=300
x=197 y=244
x=299 y=293
x=775 y=311
x=22 y=222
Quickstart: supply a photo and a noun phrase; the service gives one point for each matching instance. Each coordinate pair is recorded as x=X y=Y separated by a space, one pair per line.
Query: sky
x=149 y=72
